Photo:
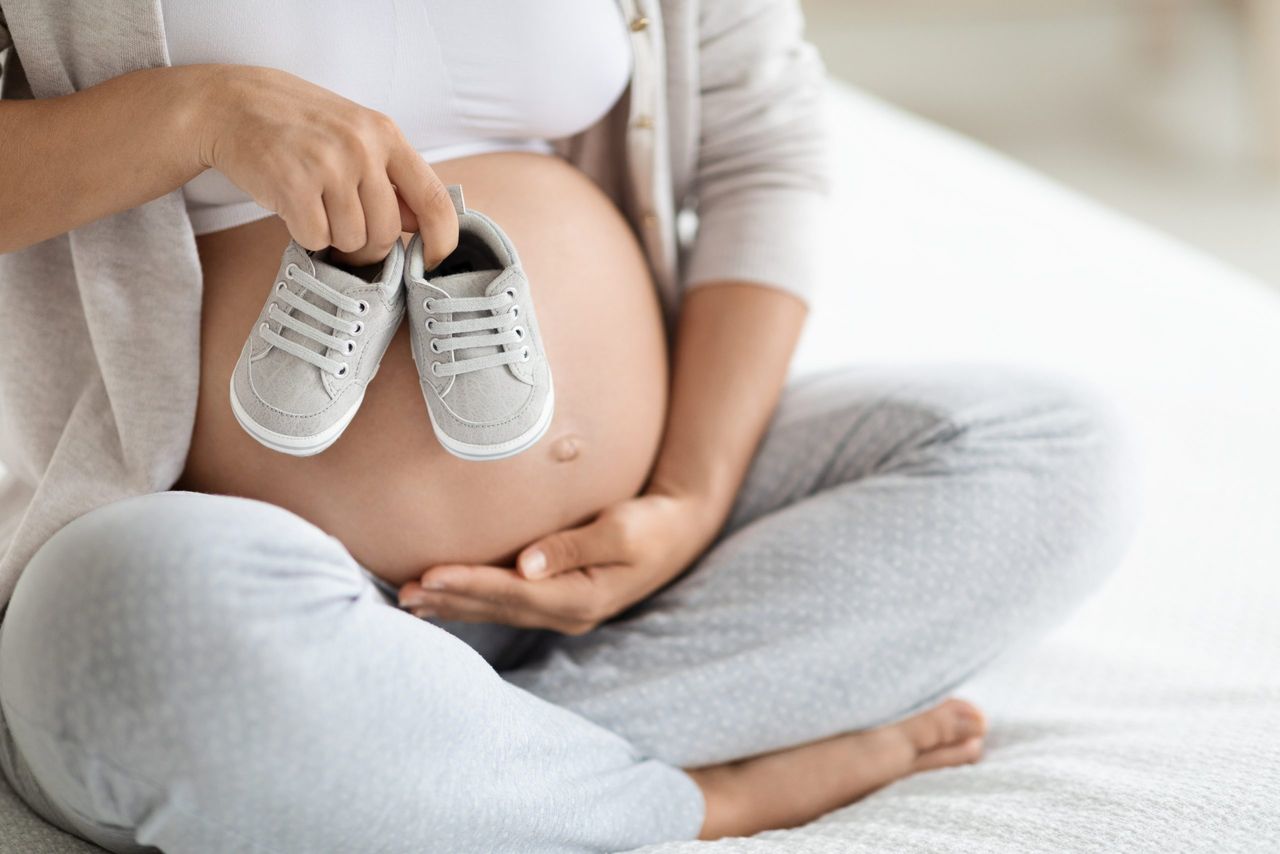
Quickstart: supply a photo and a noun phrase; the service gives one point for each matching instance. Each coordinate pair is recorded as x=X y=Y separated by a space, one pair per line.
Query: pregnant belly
x=387 y=489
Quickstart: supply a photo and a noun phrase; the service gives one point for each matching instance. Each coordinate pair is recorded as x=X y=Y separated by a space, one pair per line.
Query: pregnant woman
x=706 y=603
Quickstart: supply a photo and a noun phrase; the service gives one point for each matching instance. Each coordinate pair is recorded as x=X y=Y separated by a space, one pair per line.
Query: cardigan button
x=639 y=23
x=644 y=123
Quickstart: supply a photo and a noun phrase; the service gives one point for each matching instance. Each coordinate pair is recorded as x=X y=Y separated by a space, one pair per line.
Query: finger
x=569 y=596
x=408 y=219
x=307 y=222
x=572 y=603
x=592 y=544
x=381 y=216
x=453 y=607
x=491 y=583
x=428 y=199
x=493 y=593
x=346 y=217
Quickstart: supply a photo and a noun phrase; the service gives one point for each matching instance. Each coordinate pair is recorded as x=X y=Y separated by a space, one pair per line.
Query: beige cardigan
x=99 y=334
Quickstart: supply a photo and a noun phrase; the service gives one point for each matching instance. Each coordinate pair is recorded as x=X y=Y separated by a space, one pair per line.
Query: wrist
x=704 y=505
x=711 y=484
x=212 y=100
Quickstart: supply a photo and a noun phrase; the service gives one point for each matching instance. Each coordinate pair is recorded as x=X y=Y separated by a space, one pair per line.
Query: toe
x=950 y=723
x=971 y=723
x=965 y=753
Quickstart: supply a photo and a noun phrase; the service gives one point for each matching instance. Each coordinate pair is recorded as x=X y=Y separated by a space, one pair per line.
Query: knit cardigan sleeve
x=13 y=83
x=762 y=172
x=6 y=41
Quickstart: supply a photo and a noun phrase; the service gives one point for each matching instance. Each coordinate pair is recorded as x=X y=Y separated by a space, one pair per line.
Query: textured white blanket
x=1150 y=722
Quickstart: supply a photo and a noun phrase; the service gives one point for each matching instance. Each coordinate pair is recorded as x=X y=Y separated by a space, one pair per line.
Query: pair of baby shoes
x=320 y=338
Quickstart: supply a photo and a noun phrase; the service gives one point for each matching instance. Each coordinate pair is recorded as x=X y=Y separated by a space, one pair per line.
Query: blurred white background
x=1168 y=110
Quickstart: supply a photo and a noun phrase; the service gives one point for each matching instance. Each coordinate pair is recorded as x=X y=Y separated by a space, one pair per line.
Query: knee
x=1074 y=450
x=127 y=601
x=171 y=557
x=1080 y=441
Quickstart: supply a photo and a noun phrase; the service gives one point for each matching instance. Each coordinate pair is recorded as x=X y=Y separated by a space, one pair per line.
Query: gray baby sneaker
x=318 y=341
x=476 y=343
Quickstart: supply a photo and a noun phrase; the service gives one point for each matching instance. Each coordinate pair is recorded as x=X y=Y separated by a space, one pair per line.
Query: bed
x=1151 y=721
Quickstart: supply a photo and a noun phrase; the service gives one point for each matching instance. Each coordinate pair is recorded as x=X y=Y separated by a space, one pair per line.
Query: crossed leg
x=200 y=673
x=897 y=530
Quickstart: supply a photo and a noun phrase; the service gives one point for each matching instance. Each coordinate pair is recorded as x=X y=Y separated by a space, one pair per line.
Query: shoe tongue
x=340 y=280
x=476 y=283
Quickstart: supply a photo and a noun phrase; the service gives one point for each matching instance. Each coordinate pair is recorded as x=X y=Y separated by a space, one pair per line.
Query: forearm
x=733 y=347
x=73 y=159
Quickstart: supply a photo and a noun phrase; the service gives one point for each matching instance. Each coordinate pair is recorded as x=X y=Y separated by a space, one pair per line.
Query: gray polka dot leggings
x=209 y=674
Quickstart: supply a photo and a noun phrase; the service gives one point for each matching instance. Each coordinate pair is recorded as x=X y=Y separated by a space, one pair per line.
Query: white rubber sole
x=296 y=446
x=479 y=453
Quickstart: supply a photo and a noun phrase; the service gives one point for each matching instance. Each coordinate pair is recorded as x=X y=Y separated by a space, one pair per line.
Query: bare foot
x=797 y=785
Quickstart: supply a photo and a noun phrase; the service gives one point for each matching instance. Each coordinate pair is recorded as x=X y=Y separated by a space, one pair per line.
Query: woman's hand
x=338 y=174
x=732 y=349
x=574 y=580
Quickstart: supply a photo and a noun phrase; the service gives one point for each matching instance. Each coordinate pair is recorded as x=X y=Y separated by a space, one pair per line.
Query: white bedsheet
x=1149 y=723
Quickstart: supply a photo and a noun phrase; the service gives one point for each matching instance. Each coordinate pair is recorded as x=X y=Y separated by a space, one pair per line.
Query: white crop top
x=459 y=77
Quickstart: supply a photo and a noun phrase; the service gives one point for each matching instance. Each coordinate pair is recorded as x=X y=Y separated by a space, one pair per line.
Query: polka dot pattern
x=201 y=673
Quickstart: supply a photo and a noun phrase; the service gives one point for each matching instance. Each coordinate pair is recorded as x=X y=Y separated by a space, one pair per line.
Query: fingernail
x=433 y=584
x=424 y=613
x=411 y=601
x=533 y=563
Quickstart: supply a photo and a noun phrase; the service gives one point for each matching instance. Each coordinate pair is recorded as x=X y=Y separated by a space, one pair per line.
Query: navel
x=565 y=448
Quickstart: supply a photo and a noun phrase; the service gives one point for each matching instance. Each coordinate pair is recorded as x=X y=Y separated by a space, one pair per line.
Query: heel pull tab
x=455 y=193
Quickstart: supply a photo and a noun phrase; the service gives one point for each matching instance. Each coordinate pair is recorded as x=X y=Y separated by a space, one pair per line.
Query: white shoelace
x=331 y=321
x=499 y=330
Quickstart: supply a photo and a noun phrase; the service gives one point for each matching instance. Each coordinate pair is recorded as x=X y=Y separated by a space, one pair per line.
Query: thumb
x=563 y=551
x=425 y=203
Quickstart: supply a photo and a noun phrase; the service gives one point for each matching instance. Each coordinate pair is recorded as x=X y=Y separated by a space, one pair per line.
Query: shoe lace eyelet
x=511 y=292
x=265 y=327
x=426 y=305
x=342 y=370
x=515 y=311
x=519 y=331
x=281 y=287
x=358 y=328
x=351 y=346
x=288 y=271
x=524 y=354
x=435 y=345
x=435 y=369
x=362 y=308
x=430 y=324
